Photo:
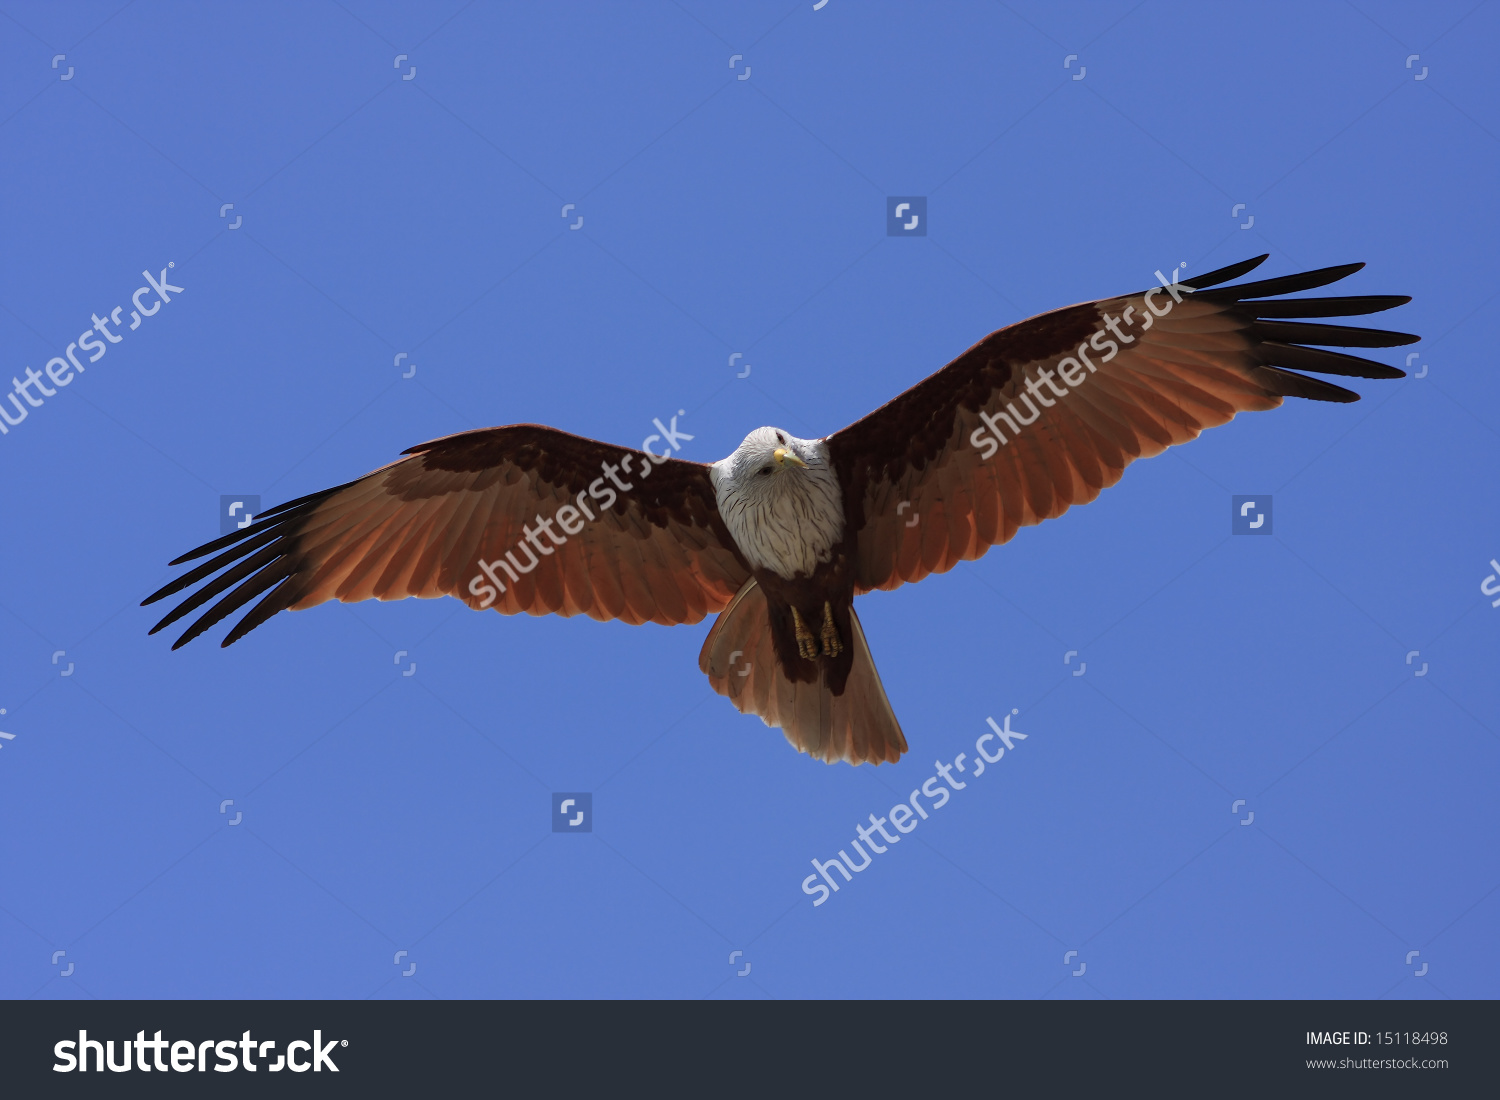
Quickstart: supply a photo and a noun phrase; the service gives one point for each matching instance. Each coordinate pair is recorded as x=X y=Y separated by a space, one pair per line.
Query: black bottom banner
x=365 y=1048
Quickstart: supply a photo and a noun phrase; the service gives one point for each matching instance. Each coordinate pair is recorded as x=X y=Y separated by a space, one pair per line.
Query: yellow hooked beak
x=785 y=457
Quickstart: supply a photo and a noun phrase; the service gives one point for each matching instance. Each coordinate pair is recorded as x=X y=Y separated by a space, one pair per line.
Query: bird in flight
x=778 y=538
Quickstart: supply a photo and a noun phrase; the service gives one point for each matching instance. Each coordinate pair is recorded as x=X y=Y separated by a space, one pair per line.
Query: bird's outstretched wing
x=655 y=552
x=954 y=466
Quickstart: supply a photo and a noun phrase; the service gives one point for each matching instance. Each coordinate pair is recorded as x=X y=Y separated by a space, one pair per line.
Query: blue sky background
x=379 y=215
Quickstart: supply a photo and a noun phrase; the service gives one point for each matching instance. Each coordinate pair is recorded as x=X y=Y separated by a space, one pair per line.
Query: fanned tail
x=856 y=726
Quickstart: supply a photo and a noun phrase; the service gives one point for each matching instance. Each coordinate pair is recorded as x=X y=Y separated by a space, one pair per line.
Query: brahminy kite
x=779 y=537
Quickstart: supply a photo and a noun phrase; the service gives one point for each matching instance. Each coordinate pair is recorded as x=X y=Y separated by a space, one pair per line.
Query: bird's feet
x=807 y=645
x=832 y=646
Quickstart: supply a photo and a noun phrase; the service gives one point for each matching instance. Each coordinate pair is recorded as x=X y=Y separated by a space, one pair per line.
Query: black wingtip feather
x=213 y=565
x=1283 y=284
x=271 y=516
x=275 y=573
x=1337 y=336
x=1288 y=383
x=220 y=543
x=256 y=558
x=1224 y=274
x=1321 y=361
x=225 y=581
x=277 y=600
x=1351 y=306
x=1282 y=347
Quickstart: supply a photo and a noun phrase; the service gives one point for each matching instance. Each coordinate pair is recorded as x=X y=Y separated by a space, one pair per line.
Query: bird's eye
x=765 y=470
x=780 y=438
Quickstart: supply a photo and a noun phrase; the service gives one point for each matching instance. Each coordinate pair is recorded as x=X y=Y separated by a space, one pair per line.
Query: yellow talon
x=832 y=646
x=807 y=645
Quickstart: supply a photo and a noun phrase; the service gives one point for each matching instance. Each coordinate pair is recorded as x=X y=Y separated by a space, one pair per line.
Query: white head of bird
x=781 y=501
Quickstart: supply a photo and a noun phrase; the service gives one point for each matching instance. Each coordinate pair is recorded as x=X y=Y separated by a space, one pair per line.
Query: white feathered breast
x=788 y=521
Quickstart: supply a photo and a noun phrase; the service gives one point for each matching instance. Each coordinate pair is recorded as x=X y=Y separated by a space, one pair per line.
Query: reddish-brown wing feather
x=420 y=527
x=1213 y=355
